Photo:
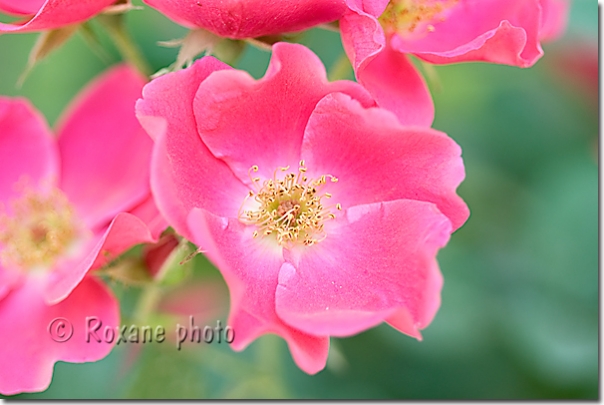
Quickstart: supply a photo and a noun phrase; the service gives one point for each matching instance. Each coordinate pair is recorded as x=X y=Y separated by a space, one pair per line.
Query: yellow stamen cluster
x=406 y=17
x=291 y=208
x=38 y=229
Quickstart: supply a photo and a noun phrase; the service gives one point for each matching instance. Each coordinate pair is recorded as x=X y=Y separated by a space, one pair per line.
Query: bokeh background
x=519 y=315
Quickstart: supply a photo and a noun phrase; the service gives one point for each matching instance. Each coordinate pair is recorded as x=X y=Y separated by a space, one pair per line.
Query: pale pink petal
x=105 y=154
x=378 y=258
x=125 y=231
x=250 y=268
x=376 y=159
x=554 y=19
x=239 y=118
x=250 y=18
x=27 y=349
x=388 y=75
x=184 y=173
x=497 y=31
x=54 y=14
x=28 y=151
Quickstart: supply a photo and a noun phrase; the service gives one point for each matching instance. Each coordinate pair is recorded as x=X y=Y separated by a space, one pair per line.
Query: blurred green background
x=519 y=315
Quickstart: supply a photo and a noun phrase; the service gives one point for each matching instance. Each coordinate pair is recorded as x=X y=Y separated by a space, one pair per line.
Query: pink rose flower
x=323 y=212
x=67 y=205
x=377 y=35
x=49 y=14
x=250 y=18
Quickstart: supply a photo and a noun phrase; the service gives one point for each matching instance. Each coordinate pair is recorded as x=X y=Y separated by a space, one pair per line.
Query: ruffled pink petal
x=184 y=174
x=53 y=14
x=497 y=31
x=125 y=231
x=21 y=7
x=377 y=159
x=378 y=259
x=250 y=18
x=403 y=320
x=250 y=268
x=362 y=36
x=388 y=75
x=28 y=151
x=27 y=349
x=171 y=96
x=247 y=122
x=554 y=19
x=397 y=86
x=105 y=152
x=371 y=7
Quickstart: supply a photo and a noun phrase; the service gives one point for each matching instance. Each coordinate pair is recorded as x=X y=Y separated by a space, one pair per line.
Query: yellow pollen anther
x=37 y=229
x=413 y=17
x=289 y=209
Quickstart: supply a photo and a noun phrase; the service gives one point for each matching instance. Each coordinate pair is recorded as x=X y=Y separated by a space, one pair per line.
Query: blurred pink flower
x=250 y=18
x=67 y=205
x=377 y=35
x=576 y=65
x=49 y=14
x=323 y=212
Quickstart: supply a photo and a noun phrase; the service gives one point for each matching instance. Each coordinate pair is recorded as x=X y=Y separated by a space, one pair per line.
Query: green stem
x=340 y=70
x=332 y=26
x=147 y=303
x=114 y=24
x=432 y=76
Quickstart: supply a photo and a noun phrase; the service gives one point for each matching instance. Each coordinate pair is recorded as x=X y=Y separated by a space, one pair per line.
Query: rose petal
x=125 y=231
x=27 y=149
x=250 y=268
x=238 y=117
x=397 y=86
x=148 y=213
x=389 y=76
x=9 y=279
x=182 y=169
x=27 y=349
x=376 y=159
x=250 y=18
x=22 y=7
x=377 y=259
x=54 y=14
x=105 y=152
x=497 y=31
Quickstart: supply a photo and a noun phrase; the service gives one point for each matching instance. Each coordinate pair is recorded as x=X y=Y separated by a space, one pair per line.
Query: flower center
x=39 y=228
x=289 y=209
x=412 y=17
